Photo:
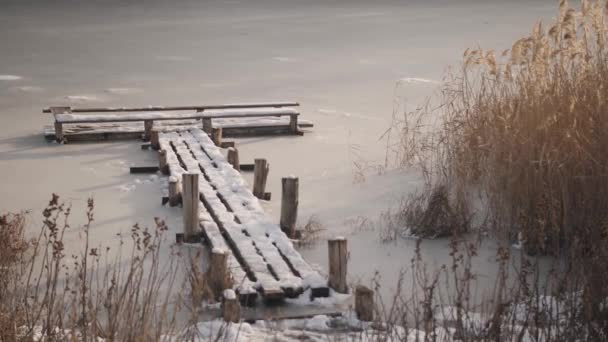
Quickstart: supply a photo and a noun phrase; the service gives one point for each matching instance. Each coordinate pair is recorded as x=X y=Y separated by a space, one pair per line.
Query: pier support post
x=233 y=158
x=219 y=279
x=207 y=125
x=162 y=162
x=190 y=200
x=154 y=140
x=338 y=258
x=231 y=309
x=216 y=136
x=289 y=205
x=59 y=132
x=148 y=125
x=293 y=124
x=174 y=192
x=364 y=303
x=260 y=175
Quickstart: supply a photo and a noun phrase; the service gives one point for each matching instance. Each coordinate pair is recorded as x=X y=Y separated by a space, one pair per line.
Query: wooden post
x=289 y=205
x=148 y=125
x=59 y=132
x=154 y=139
x=174 y=192
x=293 y=123
x=231 y=309
x=207 y=125
x=338 y=255
x=190 y=201
x=216 y=136
x=364 y=303
x=162 y=162
x=260 y=175
x=233 y=158
x=218 y=272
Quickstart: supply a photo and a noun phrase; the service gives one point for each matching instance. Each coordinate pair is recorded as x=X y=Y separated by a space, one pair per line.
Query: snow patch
x=9 y=77
x=123 y=91
x=229 y=294
x=82 y=98
x=283 y=59
x=29 y=89
x=416 y=80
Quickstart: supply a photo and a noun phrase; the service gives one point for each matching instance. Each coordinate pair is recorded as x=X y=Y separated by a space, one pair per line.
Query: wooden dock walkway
x=262 y=258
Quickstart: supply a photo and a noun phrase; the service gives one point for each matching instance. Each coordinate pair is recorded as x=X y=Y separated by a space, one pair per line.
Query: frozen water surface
x=336 y=58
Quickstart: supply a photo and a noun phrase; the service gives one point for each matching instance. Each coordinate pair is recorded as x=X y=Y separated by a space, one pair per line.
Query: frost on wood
x=230 y=207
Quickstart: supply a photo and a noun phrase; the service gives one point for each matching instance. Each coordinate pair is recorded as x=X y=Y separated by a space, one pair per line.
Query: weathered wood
x=143 y=169
x=247 y=167
x=154 y=142
x=364 y=303
x=59 y=110
x=59 y=132
x=216 y=136
x=162 y=162
x=174 y=192
x=148 y=125
x=231 y=309
x=177 y=108
x=293 y=123
x=233 y=158
x=289 y=205
x=190 y=201
x=145 y=146
x=227 y=144
x=207 y=125
x=338 y=258
x=219 y=279
x=260 y=175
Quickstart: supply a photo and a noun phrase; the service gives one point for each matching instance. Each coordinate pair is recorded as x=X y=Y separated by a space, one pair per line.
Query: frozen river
x=342 y=60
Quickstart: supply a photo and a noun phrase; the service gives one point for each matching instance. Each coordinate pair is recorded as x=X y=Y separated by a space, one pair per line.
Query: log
x=148 y=125
x=260 y=175
x=231 y=309
x=174 y=192
x=289 y=205
x=154 y=140
x=338 y=258
x=216 y=136
x=219 y=280
x=190 y=201
x=364 y=303
x=233 y=158
x=162 y=162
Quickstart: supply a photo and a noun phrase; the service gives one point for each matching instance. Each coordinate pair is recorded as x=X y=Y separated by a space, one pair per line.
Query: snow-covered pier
x=261 y=258
x=91 y=124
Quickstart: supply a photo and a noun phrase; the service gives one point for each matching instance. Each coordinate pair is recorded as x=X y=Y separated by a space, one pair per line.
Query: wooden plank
x=144 y=169
x=176 y=108
x=69 y=118
x=338 y=258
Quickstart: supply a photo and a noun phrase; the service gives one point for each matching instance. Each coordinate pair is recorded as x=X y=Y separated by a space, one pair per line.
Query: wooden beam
x=260 y=175
x=231 y=310
x=289 y=205
x=177 y=108
x=364 y=303
x=190 y=200
x=233 y=158
x=143 y=169
x=338 y=258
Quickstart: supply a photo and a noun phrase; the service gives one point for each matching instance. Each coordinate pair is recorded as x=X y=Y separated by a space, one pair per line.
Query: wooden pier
x=90 y=124
x=253 y=259
x=262 y=258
